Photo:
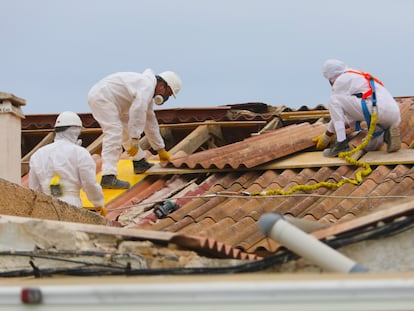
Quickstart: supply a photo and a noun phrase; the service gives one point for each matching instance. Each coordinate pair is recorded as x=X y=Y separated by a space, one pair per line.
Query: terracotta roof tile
x=218 y=228
x=379 y=173
x=251 y=208
x=281 y=180
x=265 y=179
x=134 y=195
x=212 y=246
x=240 y=230
x=255 y=150
x=264 y=246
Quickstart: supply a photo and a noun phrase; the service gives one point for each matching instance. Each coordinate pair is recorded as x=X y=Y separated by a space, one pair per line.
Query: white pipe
x=389 y=293
x=274 y=226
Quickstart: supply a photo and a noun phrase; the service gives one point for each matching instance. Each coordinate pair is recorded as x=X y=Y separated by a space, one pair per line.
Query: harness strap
x=370 y=79
x=371 y=92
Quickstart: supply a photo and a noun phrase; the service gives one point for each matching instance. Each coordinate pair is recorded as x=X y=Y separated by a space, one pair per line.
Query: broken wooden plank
x=295 y=115
x=403 y=156
x=96 y=145
x=301 y=160
x=25 y=160
x=158 y=236
x=218 y=123
x=307 y=159
x=40 y=132
x=304 y=159
x=157 y=169
x=193 y=141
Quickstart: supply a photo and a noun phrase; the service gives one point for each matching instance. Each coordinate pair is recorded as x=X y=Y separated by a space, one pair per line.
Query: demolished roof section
x=220 y=210
x=211 y=201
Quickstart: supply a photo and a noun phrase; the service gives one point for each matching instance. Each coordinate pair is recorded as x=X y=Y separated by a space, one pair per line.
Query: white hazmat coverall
x=122 y=103
x=73 y=163
x=345 y=108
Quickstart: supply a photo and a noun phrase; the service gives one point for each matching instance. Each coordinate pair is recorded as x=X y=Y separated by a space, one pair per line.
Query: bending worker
x=64 y=167
x=354 y=96
x=122 y=103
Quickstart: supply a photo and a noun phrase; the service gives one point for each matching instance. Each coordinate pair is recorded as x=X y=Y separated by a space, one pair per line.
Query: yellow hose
x=347 y=157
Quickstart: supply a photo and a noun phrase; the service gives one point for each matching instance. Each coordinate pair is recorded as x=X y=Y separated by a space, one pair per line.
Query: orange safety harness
x=371 y=92
x=369 y=79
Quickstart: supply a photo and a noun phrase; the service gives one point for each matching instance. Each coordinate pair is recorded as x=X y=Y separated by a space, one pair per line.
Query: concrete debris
x=27 y=243
x=21 y=201
x=51 y=234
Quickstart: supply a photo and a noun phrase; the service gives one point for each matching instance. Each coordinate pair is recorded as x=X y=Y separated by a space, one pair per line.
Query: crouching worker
x=64 y=167
x=354 y=96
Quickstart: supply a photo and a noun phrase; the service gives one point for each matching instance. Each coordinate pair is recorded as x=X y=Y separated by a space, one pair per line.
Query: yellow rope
x=347 y=157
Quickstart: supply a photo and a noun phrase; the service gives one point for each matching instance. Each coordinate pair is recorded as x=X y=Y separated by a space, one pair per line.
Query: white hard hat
x=333 y=68
x=68 y=118
x=173 y=81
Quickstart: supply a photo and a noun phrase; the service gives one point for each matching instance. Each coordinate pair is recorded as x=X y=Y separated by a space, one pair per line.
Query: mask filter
x=158 y=99
x=55 y=186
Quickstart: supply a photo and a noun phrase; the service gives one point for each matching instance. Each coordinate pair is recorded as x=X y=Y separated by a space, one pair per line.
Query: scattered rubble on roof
x=46 y=247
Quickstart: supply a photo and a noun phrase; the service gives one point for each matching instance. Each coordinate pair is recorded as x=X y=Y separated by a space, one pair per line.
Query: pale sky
x=225 y=51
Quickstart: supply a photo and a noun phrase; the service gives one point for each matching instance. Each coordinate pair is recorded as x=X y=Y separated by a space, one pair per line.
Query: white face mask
x=72 y=134
x=158 y=100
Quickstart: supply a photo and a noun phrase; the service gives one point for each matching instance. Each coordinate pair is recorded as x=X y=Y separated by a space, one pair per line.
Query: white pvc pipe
x=380 y=293
x=274 y=226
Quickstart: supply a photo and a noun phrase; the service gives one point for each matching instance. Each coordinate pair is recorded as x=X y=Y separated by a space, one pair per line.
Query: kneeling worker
x=355 y=95
x=63 y=168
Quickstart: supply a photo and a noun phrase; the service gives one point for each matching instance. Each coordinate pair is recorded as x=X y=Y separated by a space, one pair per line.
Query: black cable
x=252 y=266
x=387 y=230
x=36 y=270
x=49 y=257
x=283 y=256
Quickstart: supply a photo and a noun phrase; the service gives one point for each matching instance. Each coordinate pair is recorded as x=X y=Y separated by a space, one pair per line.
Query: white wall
x=10 y=141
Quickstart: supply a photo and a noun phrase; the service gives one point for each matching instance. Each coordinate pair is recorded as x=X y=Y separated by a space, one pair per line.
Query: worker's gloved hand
x=164 y=156
x=102 y=210
x=133 y=147
x=322 y=141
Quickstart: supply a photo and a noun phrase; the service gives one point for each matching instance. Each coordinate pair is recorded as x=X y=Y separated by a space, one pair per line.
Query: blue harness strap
x=367 y=114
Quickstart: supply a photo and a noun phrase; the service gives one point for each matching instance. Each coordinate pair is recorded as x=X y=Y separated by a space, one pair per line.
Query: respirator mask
x=159 y=99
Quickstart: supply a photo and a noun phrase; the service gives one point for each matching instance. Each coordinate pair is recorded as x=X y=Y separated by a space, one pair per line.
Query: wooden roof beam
x=25 y=160
x=193 y=141
x=295 y=115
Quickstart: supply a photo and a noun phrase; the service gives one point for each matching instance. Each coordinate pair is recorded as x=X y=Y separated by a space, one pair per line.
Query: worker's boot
x=141 y=166
x=111 y=182
x=392 y=139
x=338 y=147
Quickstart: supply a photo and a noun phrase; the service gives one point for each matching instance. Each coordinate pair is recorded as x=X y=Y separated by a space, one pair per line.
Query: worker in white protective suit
x=64 y=167
x=354 y=96
x=122 y=103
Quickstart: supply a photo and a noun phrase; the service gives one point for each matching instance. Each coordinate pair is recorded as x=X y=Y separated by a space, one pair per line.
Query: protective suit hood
x=71 y=134
x=333 y=68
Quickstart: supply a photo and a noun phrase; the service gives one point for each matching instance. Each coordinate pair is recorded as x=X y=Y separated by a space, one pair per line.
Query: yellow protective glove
x=102 y=210
x=164 y=156
x=322 y=141
x=133 y=147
